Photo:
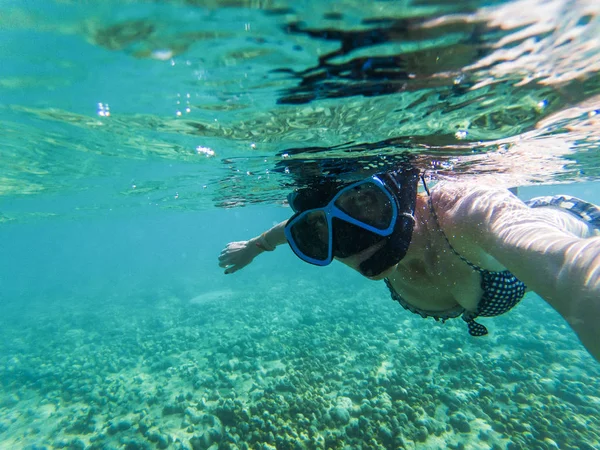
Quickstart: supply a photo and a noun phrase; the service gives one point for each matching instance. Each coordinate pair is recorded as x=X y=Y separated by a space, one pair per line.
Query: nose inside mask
x=349 y=239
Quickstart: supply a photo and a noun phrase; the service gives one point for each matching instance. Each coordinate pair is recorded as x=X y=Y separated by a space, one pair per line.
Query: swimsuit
x=501 y=290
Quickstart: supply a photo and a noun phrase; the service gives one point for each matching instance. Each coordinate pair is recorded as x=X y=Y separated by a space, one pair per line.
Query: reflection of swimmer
x=461 y=250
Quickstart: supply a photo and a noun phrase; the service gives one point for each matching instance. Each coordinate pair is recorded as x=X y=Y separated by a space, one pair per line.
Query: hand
x=237 y=255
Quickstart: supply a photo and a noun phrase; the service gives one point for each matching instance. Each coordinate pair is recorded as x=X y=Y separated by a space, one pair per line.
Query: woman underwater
x=461 y=250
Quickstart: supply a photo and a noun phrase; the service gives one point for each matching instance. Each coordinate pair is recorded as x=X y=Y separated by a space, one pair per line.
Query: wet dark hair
x=316 y=195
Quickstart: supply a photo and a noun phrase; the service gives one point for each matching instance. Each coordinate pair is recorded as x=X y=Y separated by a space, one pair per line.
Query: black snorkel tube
x=403 y=185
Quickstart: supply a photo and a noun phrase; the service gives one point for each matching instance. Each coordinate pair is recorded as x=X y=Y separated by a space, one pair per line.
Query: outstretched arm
x=555 y=256
x=239 y=254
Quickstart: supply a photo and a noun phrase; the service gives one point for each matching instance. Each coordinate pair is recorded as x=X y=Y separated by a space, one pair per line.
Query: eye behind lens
x=310 y=235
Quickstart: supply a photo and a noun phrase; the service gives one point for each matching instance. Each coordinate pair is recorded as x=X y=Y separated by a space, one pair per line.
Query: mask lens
x=367 y=203
x=311 y=235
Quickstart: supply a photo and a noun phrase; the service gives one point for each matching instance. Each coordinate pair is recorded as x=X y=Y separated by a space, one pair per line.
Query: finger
x=227 y=248
x=225 y=256
x=235 y=268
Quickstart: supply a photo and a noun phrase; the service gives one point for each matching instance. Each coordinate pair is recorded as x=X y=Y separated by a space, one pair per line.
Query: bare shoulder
x=479 y=211
x=464 y=212
x=456 y=202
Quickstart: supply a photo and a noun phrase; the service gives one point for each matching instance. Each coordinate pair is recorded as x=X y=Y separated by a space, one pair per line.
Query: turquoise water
x=138 y=138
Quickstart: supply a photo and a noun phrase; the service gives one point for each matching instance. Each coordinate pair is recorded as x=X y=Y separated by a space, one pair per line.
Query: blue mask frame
x=331 y=211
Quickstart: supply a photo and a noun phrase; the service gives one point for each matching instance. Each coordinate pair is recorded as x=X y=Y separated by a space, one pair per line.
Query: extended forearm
x=563 y=269
x=549 y=250
x=553 y=263
x=541 y=246
x=271 y=238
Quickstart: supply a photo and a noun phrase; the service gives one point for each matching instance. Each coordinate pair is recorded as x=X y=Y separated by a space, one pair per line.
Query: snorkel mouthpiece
x=348 y=239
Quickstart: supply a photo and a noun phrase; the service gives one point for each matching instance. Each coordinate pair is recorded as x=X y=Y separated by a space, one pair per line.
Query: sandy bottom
x=285 y=368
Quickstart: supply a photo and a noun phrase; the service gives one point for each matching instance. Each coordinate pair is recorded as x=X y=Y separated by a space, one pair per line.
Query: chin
x=379 y=277
x=386 y=273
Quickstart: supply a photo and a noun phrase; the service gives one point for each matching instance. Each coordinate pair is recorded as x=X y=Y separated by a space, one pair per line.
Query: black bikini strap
x=437 y=222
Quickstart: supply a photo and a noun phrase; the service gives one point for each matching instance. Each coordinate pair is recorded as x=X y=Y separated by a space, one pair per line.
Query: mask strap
x=425 y=184
x=432 y=209
x=437 y=223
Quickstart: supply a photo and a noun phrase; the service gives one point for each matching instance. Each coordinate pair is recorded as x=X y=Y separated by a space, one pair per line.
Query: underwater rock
x=460 y=423
x=61 y=443
x=200 y=443
x=421 y=434
x=410 y=413
x=76 y=444
x=484 y=435
x=353 y=428
x=193 y=416
x=171 y=409
x=212 y=434
x=163 y=364
x=572 y=397
x=503 y=397
x=550 y=443
x=382 y=412
x=585 y=446
x=226 y=412
x=124 y=424
x=364 y=423
x=98 y=438
x=499 y=427
x=144 y=425
x=82 y=425
x=132 y=444
x=521 y=399
x=121 y=425
x=161 y=440
x=549 y=385
x=334 y=439
x=285 y=385
x=340 y=415
x=486 y=392
x=402 y=419
x=518 y=425
x=386 y=436
x=9 y=401
x=212 y=297
x=425 y=422
x=366 y=409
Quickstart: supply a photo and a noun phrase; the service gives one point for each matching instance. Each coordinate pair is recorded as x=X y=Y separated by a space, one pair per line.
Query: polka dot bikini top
x=501 y=292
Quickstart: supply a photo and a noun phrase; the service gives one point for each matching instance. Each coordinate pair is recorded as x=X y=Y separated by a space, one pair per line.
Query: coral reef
x=270 y=369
